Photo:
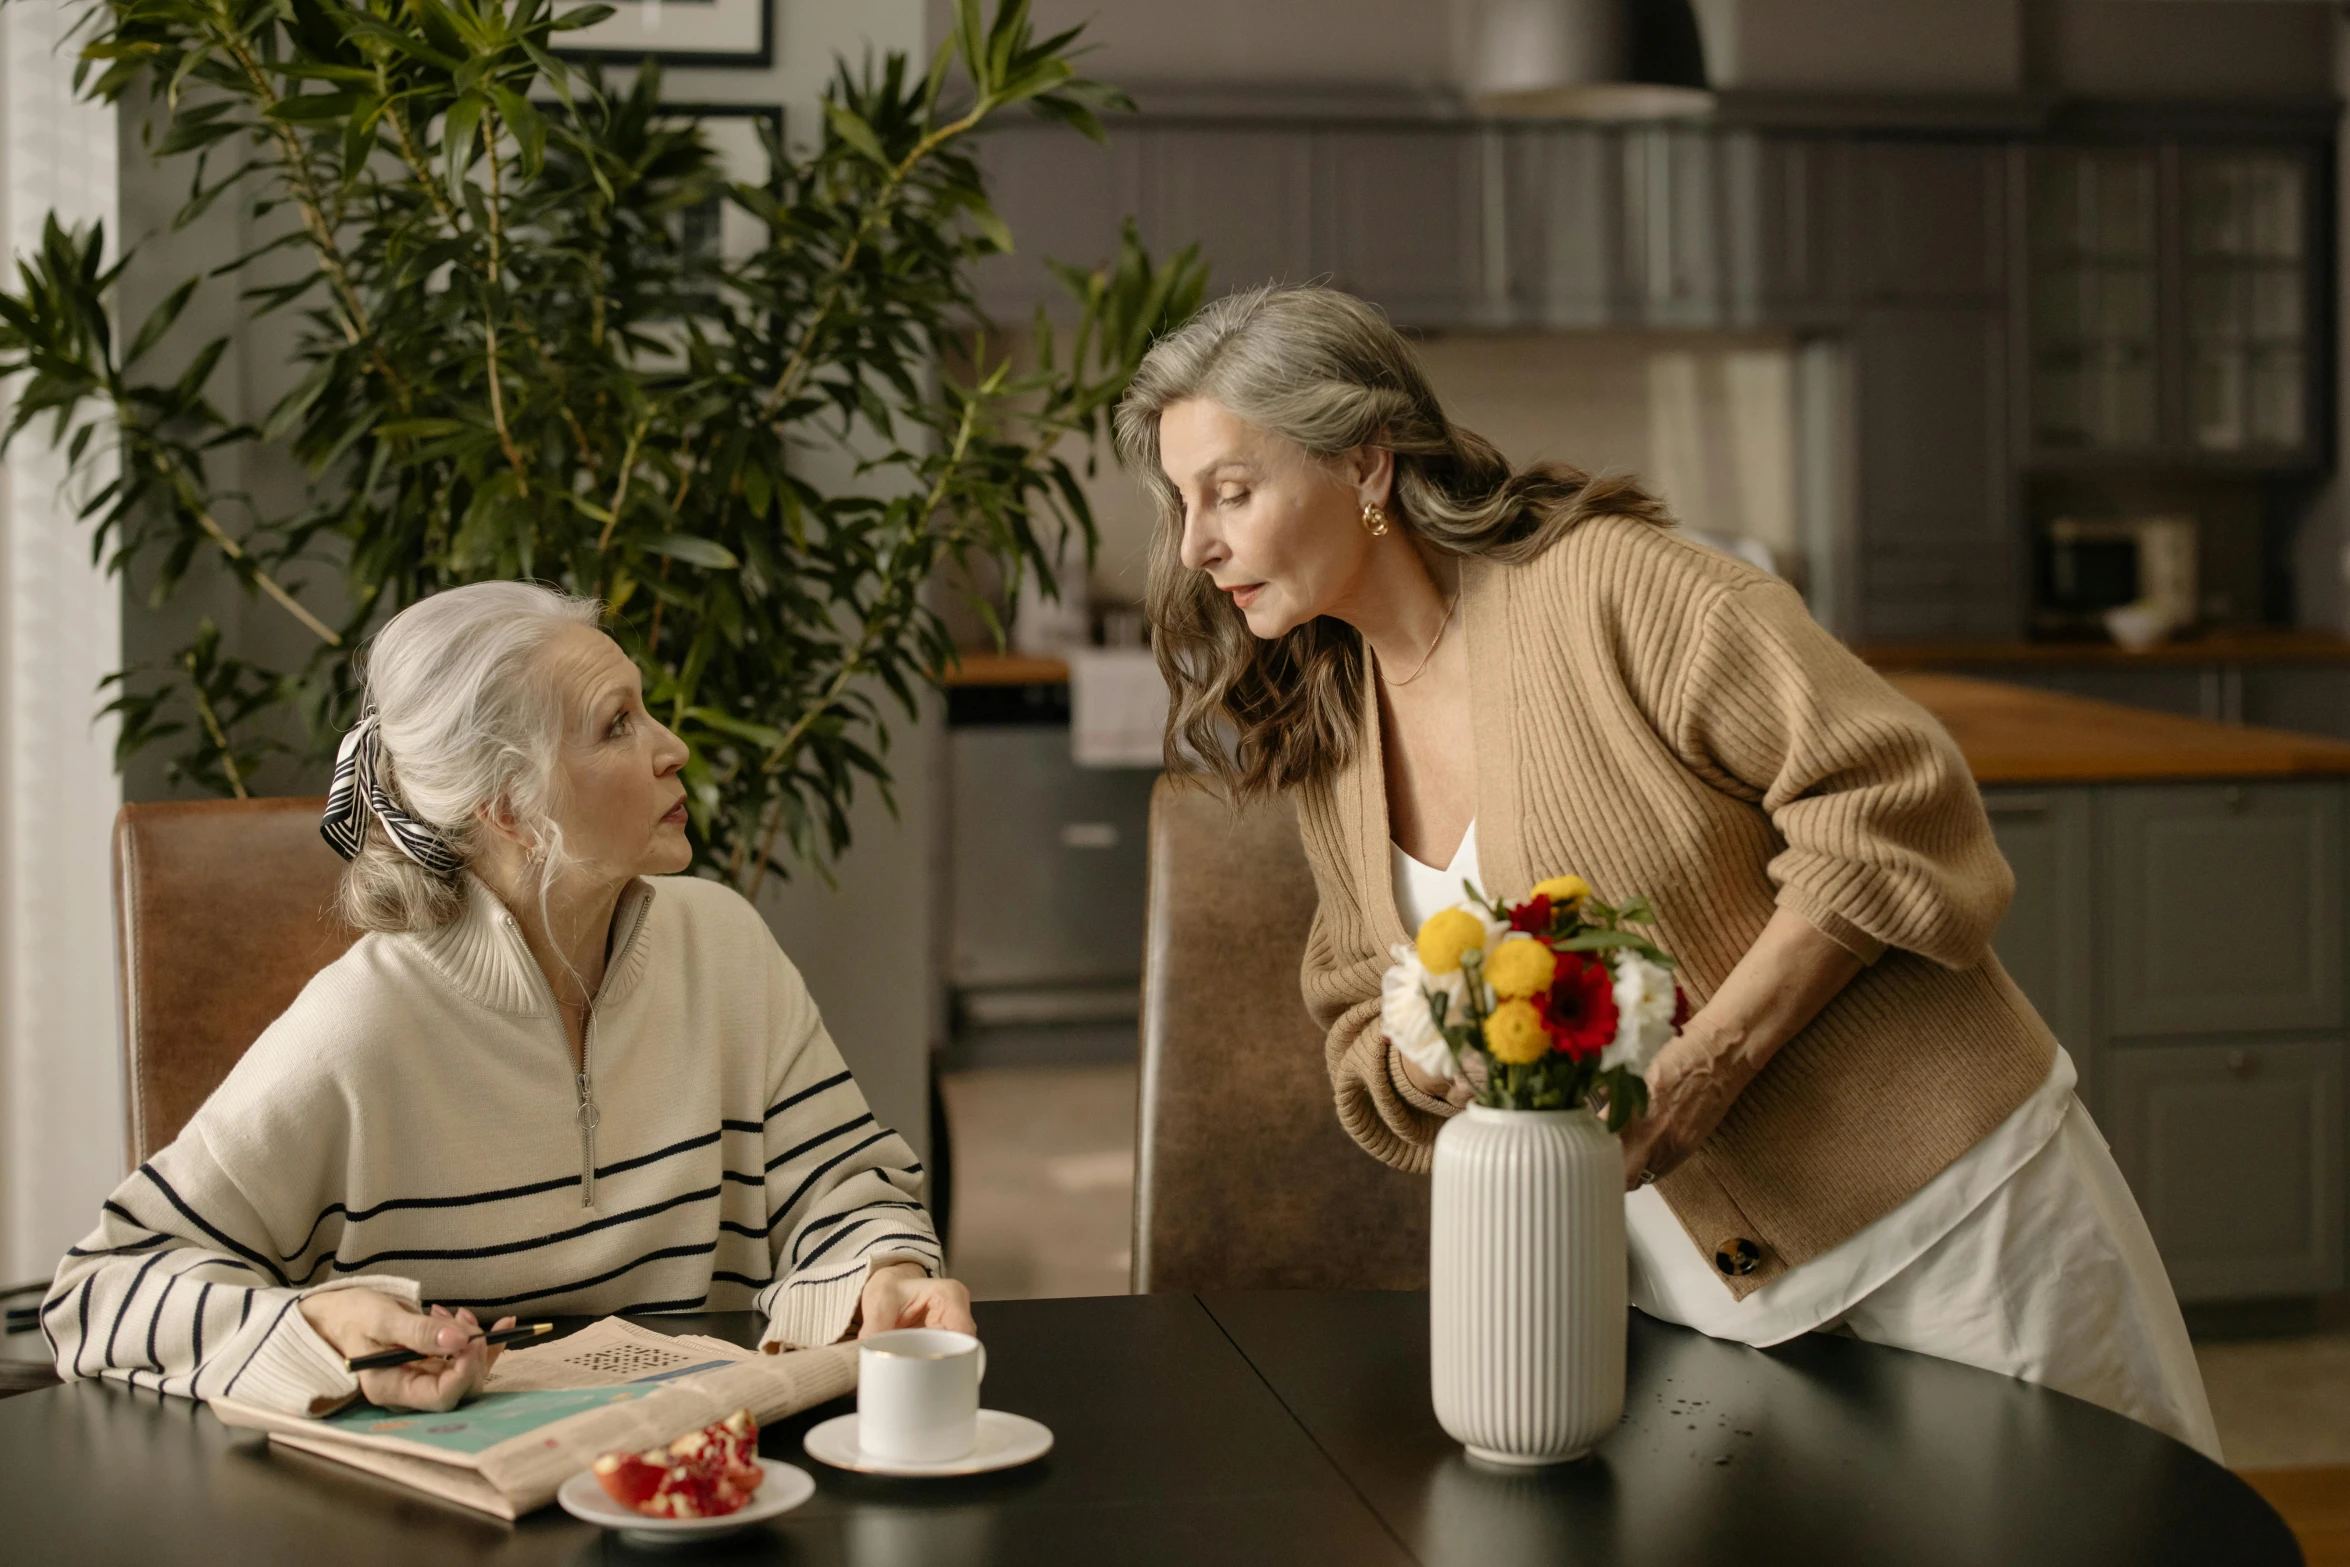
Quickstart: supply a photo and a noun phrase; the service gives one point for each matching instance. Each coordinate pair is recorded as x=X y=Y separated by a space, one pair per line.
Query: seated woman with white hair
x=552 y=1076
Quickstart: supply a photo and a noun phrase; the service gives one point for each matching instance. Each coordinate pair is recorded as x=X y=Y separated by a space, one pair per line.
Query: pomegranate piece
x=703 y=1474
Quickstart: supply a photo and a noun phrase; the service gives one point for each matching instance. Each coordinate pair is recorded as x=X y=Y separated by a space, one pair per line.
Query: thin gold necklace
x=1441 y=627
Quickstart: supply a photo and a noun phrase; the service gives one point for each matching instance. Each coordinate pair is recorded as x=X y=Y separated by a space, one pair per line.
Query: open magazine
x=551 y=1410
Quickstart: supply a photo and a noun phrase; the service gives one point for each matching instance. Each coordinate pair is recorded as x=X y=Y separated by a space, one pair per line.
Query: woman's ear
x=498 y=816
x=1371 y=469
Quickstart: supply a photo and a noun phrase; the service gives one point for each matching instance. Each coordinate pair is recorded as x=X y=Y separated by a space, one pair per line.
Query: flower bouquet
x=1562 y=1001
x=1552 y=1009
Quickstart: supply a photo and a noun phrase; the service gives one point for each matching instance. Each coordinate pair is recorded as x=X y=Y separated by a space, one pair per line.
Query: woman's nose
x=1201 y=548
x=669 y=752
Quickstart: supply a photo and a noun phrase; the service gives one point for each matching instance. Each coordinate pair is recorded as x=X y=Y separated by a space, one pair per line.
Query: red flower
x=1680 y=1007
x=1580 y=1011
x=1532 y=916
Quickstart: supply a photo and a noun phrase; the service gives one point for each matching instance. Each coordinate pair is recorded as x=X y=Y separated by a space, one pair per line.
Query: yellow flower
x=1519 y=969
x=1445 y=935
x=1562 y=891
x=1514 y=1033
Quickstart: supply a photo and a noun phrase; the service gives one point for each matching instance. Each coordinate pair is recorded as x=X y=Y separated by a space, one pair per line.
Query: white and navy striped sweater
x=413 y=1123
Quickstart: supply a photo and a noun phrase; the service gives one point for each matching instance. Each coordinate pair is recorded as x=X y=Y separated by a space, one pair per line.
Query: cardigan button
x=1737 y=1256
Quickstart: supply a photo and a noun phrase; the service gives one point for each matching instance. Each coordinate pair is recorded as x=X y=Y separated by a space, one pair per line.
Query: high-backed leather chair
x=223 y=910
x=1243 y=1177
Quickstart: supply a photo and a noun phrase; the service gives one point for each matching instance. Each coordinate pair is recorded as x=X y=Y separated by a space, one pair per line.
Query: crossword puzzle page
x=610 y=1353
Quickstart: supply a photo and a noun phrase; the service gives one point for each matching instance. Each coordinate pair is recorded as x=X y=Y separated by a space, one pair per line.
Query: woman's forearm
x=1790 y=972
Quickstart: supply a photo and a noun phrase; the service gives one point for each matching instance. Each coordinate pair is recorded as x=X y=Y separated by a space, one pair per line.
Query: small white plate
x=1005 y=1442
x=786 y=1486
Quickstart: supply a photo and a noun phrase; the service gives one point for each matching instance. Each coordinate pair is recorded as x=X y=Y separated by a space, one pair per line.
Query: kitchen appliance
x=2089 y=567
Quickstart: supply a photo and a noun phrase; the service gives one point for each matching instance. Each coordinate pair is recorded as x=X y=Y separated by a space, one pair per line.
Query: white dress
x=2026 y=1256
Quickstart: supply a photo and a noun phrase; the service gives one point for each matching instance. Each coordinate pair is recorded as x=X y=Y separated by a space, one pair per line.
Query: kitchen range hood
x=1609 y=60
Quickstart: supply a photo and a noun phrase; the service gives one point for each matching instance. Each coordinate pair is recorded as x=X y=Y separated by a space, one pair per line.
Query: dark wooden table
x=1263 y=1428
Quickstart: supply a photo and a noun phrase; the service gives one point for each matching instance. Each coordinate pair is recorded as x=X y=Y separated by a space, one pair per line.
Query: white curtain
x=60 y=632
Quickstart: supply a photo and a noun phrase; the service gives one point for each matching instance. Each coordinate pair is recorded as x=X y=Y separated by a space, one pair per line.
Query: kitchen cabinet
x=2044 y=942
x=1559 y=225
x=2174 y=309
x=1783 y=204
x=2223 y=908
x=2234 y=1152
x=1064 y=198
x=2185 y=943
x=2182 y=689
x=1243 y=194
x=1046 y=869
x=1934 y=539
x=1927 y=220
x=1627 y=226
x=1400 y=212
x=2311 y=698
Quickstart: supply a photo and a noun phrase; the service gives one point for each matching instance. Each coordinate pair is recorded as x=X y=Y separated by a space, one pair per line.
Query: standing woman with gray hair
x=1465 y=671
x=553 y=1075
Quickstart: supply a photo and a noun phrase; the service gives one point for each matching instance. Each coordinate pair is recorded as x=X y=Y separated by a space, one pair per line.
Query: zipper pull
x=587 y=1119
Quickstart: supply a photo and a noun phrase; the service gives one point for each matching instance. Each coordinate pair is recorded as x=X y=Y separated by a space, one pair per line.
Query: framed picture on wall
x=737 y=33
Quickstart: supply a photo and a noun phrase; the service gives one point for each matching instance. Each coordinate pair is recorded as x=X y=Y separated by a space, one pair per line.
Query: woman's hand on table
x=901 y=1295
x=363 y=1321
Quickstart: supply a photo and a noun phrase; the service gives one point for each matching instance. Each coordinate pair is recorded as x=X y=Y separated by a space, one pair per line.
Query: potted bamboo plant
x=514 y=361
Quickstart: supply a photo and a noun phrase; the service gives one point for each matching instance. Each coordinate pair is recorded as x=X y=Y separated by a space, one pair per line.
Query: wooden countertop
x=2242 y=646
x=2009 y=734
x=2012 y=735
x=1008 y=669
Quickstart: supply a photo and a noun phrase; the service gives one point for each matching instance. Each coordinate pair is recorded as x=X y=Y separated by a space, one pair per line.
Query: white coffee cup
x=918 y=1395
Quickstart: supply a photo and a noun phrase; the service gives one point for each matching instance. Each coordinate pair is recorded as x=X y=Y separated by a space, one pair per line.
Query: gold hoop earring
x=1375 y=519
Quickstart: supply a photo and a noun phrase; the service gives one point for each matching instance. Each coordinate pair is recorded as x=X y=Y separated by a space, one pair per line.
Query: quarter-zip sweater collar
x=487 y=957
x=484 y=958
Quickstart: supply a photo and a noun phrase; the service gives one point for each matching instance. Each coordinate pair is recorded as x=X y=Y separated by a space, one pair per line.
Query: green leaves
x=519 y=350
x=707 y=553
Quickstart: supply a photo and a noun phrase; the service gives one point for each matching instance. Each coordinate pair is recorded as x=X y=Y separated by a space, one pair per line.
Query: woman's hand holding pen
x=364 y=1321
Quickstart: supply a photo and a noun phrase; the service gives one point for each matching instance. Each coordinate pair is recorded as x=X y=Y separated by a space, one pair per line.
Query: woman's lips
x=1244 y=597
x=675 y=816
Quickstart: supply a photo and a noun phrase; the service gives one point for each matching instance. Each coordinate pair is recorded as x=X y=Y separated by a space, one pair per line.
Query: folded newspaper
x=549 y=1411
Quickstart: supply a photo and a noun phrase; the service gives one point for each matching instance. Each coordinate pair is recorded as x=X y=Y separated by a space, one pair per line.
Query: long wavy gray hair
x=1327 y=371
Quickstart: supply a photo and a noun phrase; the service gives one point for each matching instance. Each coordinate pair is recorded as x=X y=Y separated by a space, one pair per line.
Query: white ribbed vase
x=1526 y=1283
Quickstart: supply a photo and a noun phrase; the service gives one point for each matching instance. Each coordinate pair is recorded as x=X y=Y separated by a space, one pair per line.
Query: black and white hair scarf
x=358 y=793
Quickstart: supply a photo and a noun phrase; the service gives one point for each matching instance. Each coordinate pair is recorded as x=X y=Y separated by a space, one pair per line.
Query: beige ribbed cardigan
x=1659 y=718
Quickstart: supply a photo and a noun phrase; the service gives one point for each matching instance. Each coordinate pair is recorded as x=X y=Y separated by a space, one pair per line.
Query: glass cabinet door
x=2246 y=297
x=2093 y=298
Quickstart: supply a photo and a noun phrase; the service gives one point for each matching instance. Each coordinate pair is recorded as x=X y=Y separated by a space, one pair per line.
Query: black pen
x=401 y=1357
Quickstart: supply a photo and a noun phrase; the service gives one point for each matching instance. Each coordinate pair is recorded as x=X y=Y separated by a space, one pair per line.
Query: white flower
x=1406 y=1018
x=1644 y=1012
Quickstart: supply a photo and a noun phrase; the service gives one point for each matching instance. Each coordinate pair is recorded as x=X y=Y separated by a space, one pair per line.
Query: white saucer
x=584 y=1497
x=1005 y=1441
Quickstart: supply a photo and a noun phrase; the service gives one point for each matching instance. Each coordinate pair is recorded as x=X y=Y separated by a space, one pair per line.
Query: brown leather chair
x=223 y=910
x=1243 y=1177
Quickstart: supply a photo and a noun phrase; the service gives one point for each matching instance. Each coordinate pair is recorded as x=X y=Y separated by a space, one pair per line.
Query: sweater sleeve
x=1886 y=840
x=843 y=1191
x=1377 y=1104
x=183 y=1288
